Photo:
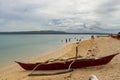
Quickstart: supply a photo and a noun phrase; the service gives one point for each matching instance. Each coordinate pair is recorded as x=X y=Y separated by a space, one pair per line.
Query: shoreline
x=21 y=50
x=33 y=58
x=105 y=48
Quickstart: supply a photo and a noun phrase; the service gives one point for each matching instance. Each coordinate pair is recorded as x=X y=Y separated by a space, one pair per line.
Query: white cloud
x=59 y=14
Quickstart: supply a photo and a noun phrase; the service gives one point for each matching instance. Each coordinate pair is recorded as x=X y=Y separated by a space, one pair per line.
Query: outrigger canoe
x=79 y=63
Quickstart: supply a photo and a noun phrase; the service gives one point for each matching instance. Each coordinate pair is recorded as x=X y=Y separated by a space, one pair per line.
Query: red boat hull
x=79 y=63
x=114 y=36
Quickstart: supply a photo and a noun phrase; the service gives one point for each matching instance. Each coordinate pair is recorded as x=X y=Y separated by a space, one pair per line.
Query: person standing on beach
x=69 y=39
x=79 y=39
x=92 y=37
x=66 y=40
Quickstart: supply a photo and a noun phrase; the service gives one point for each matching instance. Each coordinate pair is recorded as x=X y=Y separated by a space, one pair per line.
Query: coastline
x=14 y=47
x=105 y=47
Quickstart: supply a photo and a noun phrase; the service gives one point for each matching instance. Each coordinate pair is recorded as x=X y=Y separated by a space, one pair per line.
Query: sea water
x=21 y=47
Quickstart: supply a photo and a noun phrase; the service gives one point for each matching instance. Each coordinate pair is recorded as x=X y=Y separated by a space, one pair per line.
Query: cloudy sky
x=65 y=15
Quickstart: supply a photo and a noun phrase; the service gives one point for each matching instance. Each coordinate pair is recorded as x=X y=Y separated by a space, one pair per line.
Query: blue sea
x=22 y=47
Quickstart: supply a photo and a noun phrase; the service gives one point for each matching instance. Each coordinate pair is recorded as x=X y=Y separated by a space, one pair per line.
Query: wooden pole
x=76 y=51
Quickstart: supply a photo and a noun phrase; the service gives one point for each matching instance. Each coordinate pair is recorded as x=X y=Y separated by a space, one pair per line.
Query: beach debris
x=93 y=77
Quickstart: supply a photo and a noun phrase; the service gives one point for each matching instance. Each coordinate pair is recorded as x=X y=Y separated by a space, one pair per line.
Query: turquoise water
x=21 y=47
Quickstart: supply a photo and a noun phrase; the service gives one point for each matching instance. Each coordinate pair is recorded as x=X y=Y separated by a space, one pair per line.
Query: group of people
x=69 y=40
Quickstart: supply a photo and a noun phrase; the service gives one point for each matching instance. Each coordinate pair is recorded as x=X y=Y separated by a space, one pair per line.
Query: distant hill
x=48 y=32
x=35 y=32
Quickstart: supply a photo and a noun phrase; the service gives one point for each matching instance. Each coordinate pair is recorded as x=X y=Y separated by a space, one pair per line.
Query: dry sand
x=102 y=46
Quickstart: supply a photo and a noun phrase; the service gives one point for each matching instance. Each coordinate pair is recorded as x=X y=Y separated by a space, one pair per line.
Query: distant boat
x=114 y=36
x=78 y=63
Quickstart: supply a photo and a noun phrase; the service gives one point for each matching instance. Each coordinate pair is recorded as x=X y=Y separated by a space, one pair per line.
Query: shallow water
x=21 y=47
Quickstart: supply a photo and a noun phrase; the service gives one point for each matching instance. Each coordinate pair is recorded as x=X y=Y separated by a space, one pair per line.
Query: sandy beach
x=102 y=45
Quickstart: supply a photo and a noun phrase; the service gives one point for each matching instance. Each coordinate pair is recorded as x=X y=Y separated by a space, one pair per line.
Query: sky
x=63 y=15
